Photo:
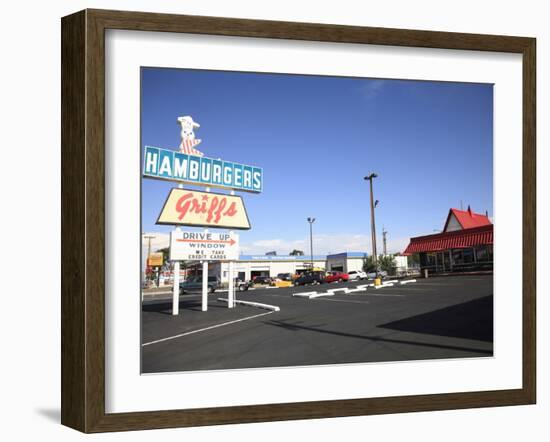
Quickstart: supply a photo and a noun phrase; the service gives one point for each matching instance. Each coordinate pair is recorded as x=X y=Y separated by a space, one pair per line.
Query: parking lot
x=435 y=318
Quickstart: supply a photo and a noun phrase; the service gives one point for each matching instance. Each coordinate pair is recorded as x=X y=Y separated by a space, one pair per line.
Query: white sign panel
x=201 y=246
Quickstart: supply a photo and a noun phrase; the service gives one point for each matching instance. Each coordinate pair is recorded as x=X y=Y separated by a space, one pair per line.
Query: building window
x=457 y=257
x=468 y=256
x=427 y=259
x=482 y=254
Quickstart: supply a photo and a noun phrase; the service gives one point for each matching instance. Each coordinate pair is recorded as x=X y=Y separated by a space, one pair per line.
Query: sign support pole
x=231 y=288
x=205 y=278
x=204 y=286
x=231 y=294
x=176 y=287
x=176 y=290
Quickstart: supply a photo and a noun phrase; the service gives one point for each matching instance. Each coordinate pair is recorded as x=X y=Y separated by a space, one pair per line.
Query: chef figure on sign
x=188 y=140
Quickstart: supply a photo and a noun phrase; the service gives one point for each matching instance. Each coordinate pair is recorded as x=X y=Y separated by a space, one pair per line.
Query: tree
x=168 y=265
x=387 y=263
x=165 y=254
x=368 y=264
x=296 y=253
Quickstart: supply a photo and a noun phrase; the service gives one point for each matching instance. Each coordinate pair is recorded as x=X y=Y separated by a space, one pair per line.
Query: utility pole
x=372 y=222
x=311 y=221
x=384 y=233
x=149 y=238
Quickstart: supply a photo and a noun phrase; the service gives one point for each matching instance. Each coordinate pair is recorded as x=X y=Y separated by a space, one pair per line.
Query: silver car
x=356 y=275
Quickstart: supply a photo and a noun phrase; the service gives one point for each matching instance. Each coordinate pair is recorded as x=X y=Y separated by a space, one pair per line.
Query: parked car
x=242 y=286
x=310 y=278
x=355 y=275
x=262 y=280
x=382 y=274
x=336 y=277
x=194 y=284
x=284 y=276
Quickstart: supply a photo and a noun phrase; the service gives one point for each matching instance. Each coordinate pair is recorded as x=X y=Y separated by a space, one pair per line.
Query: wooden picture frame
x=83 y=220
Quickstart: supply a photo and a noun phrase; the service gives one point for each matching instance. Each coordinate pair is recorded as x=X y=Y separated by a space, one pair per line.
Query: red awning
x=459 y=239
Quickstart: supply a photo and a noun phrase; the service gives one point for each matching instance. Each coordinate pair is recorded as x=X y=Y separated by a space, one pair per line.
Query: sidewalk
x=162 y=288
x=166 y=293
x=474 y=273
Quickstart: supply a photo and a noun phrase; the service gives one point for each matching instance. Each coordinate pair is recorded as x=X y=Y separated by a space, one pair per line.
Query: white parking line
x=356 y=290
x=318 y=295
x=345 y=290
x=304 y=294
x=206 y=328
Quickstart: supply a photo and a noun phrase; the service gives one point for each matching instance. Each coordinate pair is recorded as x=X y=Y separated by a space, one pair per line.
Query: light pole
x=372 y=223
x=311 y=221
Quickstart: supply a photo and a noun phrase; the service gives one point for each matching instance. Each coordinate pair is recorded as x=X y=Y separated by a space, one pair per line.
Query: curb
x=253 y=304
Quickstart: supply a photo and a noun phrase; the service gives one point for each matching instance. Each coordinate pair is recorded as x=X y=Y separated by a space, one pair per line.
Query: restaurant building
x=465 y=244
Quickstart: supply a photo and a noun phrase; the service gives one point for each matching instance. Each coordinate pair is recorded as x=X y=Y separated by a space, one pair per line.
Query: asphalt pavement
x=434 y=318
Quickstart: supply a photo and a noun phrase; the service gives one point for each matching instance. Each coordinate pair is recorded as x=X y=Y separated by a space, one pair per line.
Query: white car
x=355 y=275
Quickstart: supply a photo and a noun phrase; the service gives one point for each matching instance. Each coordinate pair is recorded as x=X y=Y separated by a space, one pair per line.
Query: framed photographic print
x=269 y=220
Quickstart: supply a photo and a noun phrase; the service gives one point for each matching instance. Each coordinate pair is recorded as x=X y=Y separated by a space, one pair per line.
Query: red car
x=336 y=277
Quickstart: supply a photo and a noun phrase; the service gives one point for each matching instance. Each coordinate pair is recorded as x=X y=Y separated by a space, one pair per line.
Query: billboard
x=155 y=260
x=201 y=246
x=200 y=170
x=204 y=209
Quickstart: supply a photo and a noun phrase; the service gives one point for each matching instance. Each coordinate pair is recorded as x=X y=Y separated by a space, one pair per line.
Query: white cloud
x=373 y=88
x=158 y=241
x=323 y=244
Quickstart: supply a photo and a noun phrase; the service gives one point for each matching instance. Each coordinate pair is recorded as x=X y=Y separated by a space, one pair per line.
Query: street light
x=311 y=221
x=372 y=223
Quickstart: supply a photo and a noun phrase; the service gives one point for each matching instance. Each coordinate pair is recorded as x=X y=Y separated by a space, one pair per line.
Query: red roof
x=457 y=239
x=468 y=219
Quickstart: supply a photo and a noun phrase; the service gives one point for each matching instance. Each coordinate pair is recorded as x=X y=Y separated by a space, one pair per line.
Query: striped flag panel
x=188 y=147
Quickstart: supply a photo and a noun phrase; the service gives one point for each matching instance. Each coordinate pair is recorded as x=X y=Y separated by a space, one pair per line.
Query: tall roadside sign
x=193 y=208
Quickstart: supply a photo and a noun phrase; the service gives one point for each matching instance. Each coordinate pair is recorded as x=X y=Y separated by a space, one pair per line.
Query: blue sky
x=316 y=137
